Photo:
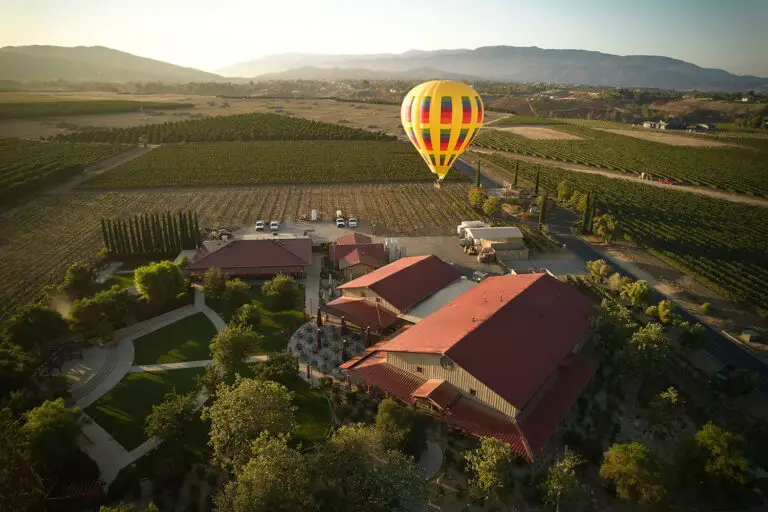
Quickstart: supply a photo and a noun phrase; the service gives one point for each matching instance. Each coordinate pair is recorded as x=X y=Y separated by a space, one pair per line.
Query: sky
x=212 y=34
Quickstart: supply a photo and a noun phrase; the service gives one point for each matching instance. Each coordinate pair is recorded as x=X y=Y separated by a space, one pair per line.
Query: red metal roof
x=249 y=254
x=440 y=391
x=539 y=423
x=363 y=255
x=353 y=238
x=407 y=281
x=360 y=312
x=392 y=380
x=510 y=332
x=338 y=252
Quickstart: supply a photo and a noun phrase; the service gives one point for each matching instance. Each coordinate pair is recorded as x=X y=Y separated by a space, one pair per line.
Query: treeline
x=151 y=234
x=81 y=108
x=226 y=128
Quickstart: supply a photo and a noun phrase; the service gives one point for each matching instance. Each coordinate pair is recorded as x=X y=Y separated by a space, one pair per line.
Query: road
x=718 y=346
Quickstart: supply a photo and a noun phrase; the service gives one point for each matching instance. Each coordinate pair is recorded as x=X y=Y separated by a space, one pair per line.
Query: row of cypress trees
x=151 y=233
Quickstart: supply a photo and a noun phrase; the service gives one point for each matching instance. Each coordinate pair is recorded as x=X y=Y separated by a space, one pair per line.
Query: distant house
x=500 y=360
x=357 y=255
x=262 y=258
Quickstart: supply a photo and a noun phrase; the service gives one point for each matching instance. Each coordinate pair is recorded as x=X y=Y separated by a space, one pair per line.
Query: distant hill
x=337 y=73
x=520 y=64
x=82 y=63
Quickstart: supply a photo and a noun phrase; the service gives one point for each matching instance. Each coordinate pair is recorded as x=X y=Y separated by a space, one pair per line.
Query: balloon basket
x=437 y=185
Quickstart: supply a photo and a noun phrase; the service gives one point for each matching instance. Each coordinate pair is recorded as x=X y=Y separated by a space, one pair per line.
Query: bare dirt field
x=689 y=105
x=539 y=133
x=669 y=138
x=367 y=116
x=40 y=239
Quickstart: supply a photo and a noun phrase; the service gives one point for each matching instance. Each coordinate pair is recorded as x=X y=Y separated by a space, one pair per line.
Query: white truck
x=470 y=224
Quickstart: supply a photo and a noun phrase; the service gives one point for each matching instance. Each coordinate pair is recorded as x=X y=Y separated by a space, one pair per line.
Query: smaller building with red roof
x=357 y=255
x=259 y=258
x=501 y=360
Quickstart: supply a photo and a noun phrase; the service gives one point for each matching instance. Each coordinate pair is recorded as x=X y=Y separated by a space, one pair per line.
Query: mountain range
x=496 y=63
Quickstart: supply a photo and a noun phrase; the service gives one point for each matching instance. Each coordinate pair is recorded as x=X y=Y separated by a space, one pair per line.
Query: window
x=378 y=299
x=446 y=363
x=419 y=369
x=472 y=392
x=362 y=294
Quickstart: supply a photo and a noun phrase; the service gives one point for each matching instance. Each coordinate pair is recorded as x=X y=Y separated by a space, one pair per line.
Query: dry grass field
x=41 y=238
x=360 y=115
x=539 y=133
x=672 y=139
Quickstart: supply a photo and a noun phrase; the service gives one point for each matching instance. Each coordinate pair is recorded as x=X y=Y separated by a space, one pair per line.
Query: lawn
x=186 y=340
x=313 y=413
x=121 y=280
x=122 y=411
x=274 y=321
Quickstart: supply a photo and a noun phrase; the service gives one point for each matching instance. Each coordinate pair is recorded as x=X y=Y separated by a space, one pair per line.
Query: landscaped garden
x=185 y=340
x=313 y=412
x=122 y=410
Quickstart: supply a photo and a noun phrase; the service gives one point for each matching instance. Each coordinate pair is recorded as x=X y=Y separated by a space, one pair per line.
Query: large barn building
x=260 y=258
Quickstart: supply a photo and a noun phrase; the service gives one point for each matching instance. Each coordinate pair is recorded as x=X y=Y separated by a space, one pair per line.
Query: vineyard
x=242 y=127
x=270 y=162
x=738 y=170
x=27 y=109
x=41 y=238
x=722 y=244
x=28 y=165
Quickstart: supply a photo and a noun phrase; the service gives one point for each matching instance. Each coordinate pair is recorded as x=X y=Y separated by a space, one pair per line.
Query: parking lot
x=321 y=231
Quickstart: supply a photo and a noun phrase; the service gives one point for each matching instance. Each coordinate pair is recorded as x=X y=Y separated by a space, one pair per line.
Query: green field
x=241 y=127
x=738 y=170
x=523 y=120
x=722 y=244
x=270 y=162
x=188 y=339
x=43 y=106
x=27 y=166
x=313 y=413
x=122 y=410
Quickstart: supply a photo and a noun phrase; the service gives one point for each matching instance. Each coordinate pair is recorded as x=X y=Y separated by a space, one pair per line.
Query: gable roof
x=510 y=332
x=353 y=238
x=407 y=281
x=360 y=312
x=266 y=252
x=371 y=254
x=360 y=256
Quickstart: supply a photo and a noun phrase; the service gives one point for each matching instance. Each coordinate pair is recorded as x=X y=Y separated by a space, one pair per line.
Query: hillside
x=522 y=64
x=82 y=63
x=337 y=73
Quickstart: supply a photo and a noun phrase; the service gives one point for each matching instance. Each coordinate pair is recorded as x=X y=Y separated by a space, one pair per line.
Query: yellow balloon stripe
x=441 y=118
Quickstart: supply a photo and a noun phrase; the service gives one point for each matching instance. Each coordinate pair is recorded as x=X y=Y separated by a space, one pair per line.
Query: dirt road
x=719 y=194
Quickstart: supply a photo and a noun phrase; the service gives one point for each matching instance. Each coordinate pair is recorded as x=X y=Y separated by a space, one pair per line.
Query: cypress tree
x=517 y=166
x=592 y=214
x=197 y=231
x=119 y=237
x=104 y=236
x=183 y=231
x=137 y=230
x=166 y=233
x=536 y=188
x=147 y=235
x=477 y=174
x=585 y=213
x=543 y=210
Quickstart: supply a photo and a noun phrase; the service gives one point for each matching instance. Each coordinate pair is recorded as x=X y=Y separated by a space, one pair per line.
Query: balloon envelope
x=441 y=118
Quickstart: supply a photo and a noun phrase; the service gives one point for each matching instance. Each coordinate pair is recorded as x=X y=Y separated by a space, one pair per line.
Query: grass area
x=133 y=264
x=313 y=413
x=185 y=340
x=121 y=280
x=270 y=162
x=274 y=321
x=122 y=411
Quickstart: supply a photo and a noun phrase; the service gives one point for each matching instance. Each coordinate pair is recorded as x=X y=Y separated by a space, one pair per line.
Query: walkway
x=312 y=285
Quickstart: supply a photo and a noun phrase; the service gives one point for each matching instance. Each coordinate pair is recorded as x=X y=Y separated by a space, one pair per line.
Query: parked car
x=478 y=275
x=274 y=226
x=259 y=225
x=353 y=222
x=340 y=223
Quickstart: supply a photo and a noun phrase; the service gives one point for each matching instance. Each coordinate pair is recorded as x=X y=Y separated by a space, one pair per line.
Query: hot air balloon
x=441 y=118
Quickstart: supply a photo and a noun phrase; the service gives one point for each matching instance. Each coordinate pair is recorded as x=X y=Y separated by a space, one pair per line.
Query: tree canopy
x=490 y=467
x=214 y=283
x=562 y=487
x=51 y=432
x=401 y=428
x=599 y=270
x=159 y=282
x=77 y=280
x=237 y=293
x=635 y=472
x=636 y=293
x=33 y=327
x=606 y=227
x=231 y=345
x=168 y=418
x=248 y=316
x=280 y=367
x=20 y=484
x=282 y=291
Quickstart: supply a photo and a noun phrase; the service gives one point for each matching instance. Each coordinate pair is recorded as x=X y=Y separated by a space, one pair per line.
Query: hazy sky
x=211 y=34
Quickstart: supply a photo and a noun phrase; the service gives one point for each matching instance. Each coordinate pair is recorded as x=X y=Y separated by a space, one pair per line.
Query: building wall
x=458 y=376
x=370 y=296
x=358 y=270
x=505 y=244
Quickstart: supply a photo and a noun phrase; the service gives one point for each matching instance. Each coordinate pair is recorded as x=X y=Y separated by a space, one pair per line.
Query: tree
x=34 y=327
x=613 y=323
x=248 y=316
x=542 y=210
x=517 y=167
x=665 y=310
x=159 y=282
x=536 y=186
x=635 y=473
x=214 y=283
x=636 y=293
x=477 y=174
x=561 y=486
x=231 y=345
x=241 y=412
x=491 y=206
x=648 y=346
x=490 y=468
x=692 y=337
x=276 y=478
x=606 y=227
x=598 y=270
x=564 y=191
x=77 y=280
x=167 y=419
x=401 y=428
x=237 y=293
x=51 y=431
x=280 y=367
x=665 y=408
x=477 y=197
x=97 y=316
x=20 y=485
x=282 y=291
x=354 y=471
x=617 y=282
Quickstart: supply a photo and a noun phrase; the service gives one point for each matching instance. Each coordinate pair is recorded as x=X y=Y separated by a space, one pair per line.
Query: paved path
x=718 y=194
x=312 y=286
x=107 y=272
x=431 y=459
x=102 y=448
x=188 y=364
